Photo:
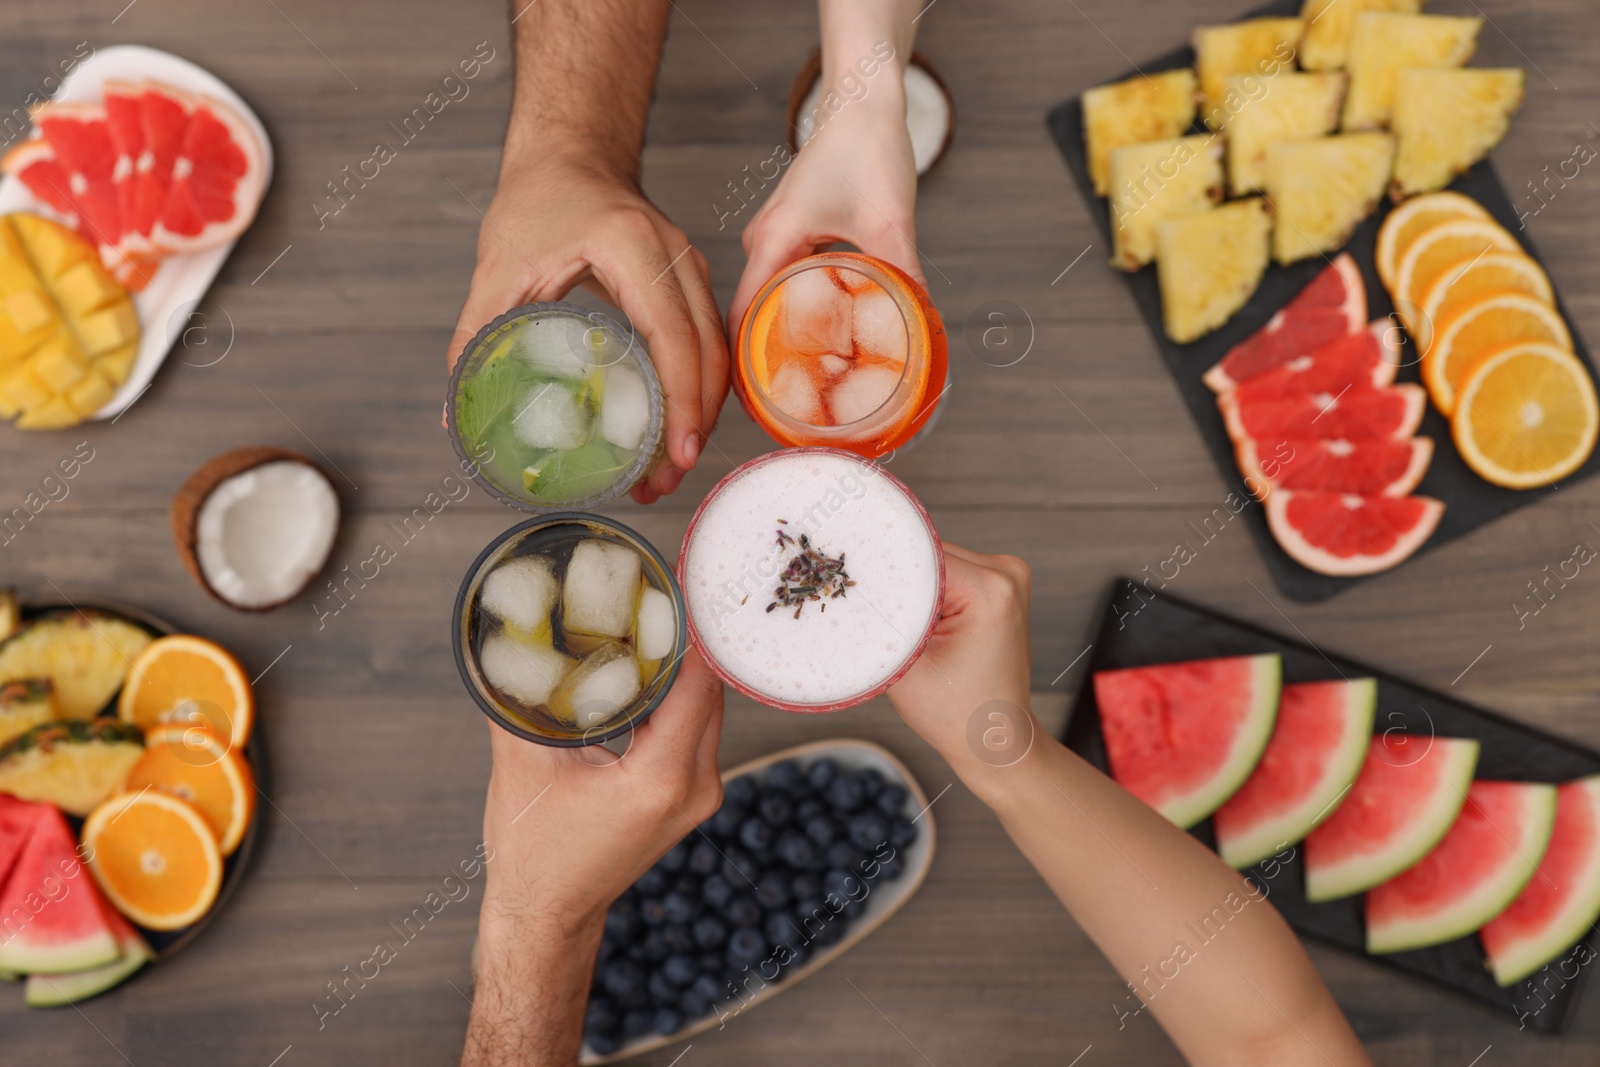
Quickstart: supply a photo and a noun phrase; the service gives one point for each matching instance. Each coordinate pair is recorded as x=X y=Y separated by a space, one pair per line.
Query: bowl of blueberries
x=813 y=849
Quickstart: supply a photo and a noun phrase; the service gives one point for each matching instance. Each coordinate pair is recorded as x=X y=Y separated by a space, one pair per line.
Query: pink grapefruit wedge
x=1366 y=468
x=217 y=180
x=1332 y=305
x=81 y=139
x=1368 y=358
x=1345 y=535
x=1352 y=412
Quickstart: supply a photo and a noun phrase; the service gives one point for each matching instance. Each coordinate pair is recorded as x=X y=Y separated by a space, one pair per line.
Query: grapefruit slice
x=1561 y=902
x=1332 y=305
x=50 y=908
x=217 y=180
x=1369 y=358
x=127 y=138
x=34 y=164
x=1182 y=737
x=1314 y=755
x=81 y=139
x=1353 y=412
x=1366 y=468
x=1489 y=855
x=55 y=990
x=1408 y=793
x=163 y=119
x=1345 y=535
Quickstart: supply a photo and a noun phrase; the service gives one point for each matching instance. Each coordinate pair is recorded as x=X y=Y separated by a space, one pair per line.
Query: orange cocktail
x=843 y=350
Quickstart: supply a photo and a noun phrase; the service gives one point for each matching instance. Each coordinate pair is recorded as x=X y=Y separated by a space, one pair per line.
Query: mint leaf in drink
x=561 y=476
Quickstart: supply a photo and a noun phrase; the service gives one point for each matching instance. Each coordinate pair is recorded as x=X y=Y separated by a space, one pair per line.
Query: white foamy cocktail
x=812 y=578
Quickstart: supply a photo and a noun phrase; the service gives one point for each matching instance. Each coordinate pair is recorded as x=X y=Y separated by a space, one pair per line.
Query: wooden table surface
x=330 y=339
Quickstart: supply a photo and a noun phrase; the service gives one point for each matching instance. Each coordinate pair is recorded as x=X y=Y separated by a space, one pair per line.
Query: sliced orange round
x=1482 y=327
x=1404 y=223
x=1434 y=251
x=188 y=761
x=190 y=680
x=154 y=857
x=1526 y=416
x=1463 y=283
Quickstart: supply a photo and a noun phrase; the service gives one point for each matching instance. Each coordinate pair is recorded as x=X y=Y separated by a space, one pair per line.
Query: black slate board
x=1470 y=501
x=1141 y=627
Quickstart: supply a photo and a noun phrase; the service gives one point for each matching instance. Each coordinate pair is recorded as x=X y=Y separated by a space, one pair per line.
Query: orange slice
x=191 y=763
x=1526 y=416
x=1474 y=331
x=1435 y=251
x=1463 y=283
x=154 y=857
x=189 y=679
x=1410 y=219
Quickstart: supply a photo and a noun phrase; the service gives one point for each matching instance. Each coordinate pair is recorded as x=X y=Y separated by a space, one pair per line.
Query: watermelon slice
x=1316 y=750
x=1182 y=737
x=1370 y=358
x=50 y=908
x=1562 y=902
x=16 y=824
x=1332 y=305
x=1346 y=535
x=217 y=180
x=1409 y=791
x=1353 y=412
x=1334 y=465
x=1489 y=855
x=55 y=990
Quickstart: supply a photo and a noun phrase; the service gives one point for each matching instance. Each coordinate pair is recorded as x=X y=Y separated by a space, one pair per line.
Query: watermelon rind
x=58 y=990
x=1576 y=919
x=1270 y=837
x=33 y=908
x=1466 y=915
x=1431 y=822
x=1266 y=675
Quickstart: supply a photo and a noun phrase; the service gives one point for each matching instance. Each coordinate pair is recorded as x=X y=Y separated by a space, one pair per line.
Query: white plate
x=882 y=902
x=180 y=282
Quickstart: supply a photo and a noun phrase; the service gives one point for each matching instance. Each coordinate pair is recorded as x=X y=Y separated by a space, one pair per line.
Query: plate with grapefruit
x=129 y=774
x=138 y=178
x=1436 y=838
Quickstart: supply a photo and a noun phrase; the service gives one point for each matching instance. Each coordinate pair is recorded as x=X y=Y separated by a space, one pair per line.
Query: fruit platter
x=814 y=848
x=128 y=782
x=1337 y=280
x=115 y=215
x=1431 y=836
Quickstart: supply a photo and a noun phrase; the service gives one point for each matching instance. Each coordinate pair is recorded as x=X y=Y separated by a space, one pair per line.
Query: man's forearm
x=532 y=985
x=584 y=72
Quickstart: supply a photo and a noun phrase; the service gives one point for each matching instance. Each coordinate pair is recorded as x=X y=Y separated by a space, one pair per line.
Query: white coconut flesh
x=262 y=535
x=927 y=116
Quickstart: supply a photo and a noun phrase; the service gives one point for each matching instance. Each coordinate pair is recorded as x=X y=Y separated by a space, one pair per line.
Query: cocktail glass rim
x=899 y=672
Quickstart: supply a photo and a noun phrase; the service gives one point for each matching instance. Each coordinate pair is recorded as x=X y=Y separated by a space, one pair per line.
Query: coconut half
x=255 y=526
x=930 y=112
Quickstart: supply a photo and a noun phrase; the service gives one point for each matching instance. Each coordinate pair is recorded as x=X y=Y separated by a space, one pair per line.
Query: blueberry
x=843 y=855
x=680 y=907
x=805 y=885
x=667 y=1021
x=782 y=928
x=738 y=867
x=707 y=987
x=662 y=989
x=603 y=1044
x=841 y=884
x=740 y=792
x=652 y=882
x=677 y=938
x=830 y=932
x=704 y=858
x=746 y=946
x=784 y=775
x=676 y=857
x=635 y=951
x=892 y=801
x=796 y=850
x=819 y=828
x=653 y=911
x=693 y=1005
x=872 y=782
x=854 y=910
x=902 y=832
x=712 y=962
x=867 y=830
x=755 y=834
x=622 y=977
x=743 y=911
x=680 y=969
x=621 y=922
x=810 y=911
x=601 y=1016
x=710 y=932
x=891 y=868
x=820 y=773
x=809 y=808
x=775 y=807
x=716 y=890
x=844 y=793
x=772 y=890
x=653 y=949
x=797 y=955
x=688 y=885
x=635 y=1023
x=725 y=823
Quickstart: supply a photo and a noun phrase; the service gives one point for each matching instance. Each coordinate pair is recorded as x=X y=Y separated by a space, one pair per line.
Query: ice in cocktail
x=812 y=579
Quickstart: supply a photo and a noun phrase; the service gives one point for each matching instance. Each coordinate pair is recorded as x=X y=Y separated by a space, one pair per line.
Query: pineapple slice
x=1157 y=181
x=1322 y=187
x=10 y=613
x=1157 y=107
x=1329 y=24
x=1286 y=106
x=24 y=705
x=1447 y=120
x=73 y=765
x=1385 y=43
x=85 y=655
x=1209 y=266
x=1261 y=47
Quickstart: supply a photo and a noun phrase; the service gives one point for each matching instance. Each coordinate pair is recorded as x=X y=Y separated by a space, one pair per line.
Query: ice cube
x=624 y=407
x=861 y=392
x=521 y=593
x=557 y=345
x=816 y=315
x=603 y=684
x=877 y=327
x=853 y=280
x=526 y=671
x=795 y=393
x=833 y=367
x=551 y=416
x=601 y=587
x=657 y=625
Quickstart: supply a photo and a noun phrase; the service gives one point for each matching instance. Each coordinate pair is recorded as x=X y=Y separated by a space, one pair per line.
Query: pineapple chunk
x=1385 y=43
x=85 y=655
x=10 y=613
x=1447 y=120
x=1210 y=264
x=1322 y=187
x=1157 y=181
x=73 y=765
x=24 y=705
x=1260 y=47
x=1288 y=105
x=1329 y=24
x=1154 y=108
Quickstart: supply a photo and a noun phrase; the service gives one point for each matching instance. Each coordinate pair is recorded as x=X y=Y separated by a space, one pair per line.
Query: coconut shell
x=199 y=487
x=812 y=70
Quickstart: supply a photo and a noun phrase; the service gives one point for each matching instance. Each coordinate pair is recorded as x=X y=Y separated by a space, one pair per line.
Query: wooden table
x=376 y=757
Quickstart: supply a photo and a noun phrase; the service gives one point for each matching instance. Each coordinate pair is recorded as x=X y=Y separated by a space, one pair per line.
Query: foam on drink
x=811 y=652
